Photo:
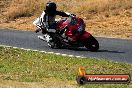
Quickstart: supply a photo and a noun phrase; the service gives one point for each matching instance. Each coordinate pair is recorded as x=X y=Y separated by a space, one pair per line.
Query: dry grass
x=23 y=8
x=88 y=8
x=26 y=8
x=97 y=6
x=106 y=16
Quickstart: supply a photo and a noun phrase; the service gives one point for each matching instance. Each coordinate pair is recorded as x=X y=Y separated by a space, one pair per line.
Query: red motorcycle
x=71 y=33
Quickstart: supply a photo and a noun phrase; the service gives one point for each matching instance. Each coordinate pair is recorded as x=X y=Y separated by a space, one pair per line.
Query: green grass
x=30 y=66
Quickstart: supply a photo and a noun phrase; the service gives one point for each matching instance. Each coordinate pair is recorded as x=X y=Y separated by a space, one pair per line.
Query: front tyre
x=92 y=44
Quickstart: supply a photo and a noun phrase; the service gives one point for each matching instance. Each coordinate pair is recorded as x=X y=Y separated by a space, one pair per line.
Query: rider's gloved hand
x=69 y=14
x=72 y=15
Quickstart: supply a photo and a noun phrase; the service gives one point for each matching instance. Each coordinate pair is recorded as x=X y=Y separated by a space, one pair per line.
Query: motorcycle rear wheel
x=51 y=45
x=55 y=42
x=54 y=45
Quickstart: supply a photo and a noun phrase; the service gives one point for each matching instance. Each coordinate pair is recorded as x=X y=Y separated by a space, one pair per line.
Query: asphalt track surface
x=112 y=49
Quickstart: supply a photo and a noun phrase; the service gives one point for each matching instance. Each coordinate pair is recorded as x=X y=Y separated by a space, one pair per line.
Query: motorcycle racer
x=64 y=33
x=47 y=21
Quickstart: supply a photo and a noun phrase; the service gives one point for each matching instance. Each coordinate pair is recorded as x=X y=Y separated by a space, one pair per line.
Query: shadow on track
x=110 y=51
x=84 y=49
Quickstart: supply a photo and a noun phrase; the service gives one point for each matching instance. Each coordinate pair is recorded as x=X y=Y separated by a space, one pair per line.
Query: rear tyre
x=92 y=44
x=55 y=42
x=51 y=44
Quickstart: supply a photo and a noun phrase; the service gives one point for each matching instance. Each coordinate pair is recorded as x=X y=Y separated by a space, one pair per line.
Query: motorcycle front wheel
x=92 y=44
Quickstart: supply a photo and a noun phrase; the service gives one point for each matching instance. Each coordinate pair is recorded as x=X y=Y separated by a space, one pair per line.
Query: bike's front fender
x=85 y=36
